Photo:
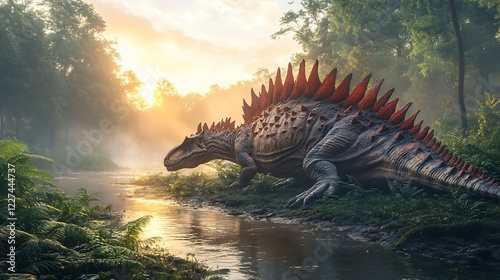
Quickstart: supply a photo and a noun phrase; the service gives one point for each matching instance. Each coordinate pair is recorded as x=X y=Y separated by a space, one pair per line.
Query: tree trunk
x=18 y=127
x=461 y=66
x=2 y=125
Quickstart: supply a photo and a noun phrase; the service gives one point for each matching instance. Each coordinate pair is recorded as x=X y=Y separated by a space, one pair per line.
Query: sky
x=197 y=43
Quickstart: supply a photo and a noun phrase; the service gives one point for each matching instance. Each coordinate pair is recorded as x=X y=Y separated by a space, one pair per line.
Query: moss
x=484 y=231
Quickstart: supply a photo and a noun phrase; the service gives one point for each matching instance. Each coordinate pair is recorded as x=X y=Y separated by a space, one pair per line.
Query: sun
x=148 y=94
x=145 y=97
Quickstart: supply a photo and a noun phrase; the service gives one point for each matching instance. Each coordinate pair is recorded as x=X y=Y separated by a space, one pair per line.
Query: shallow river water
x=244 y=248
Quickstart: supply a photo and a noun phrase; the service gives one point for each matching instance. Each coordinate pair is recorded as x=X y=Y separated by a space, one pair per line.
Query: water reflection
x=253 y=249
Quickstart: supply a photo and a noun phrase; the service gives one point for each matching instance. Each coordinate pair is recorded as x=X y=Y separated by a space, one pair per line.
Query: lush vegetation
x=65 y=237
x=59 y=75
x=482 y=144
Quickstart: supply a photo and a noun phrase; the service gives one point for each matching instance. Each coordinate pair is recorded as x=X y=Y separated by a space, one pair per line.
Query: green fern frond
x=135 y=227
x=42 y=266
x=115 y=252
x=10 y=148
x=33 y=248
x=132 y=231
x=149 y=241
x=30 y=171
x=107 y=263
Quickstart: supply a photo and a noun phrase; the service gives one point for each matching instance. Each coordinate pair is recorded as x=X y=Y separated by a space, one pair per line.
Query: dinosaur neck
x=221 y=147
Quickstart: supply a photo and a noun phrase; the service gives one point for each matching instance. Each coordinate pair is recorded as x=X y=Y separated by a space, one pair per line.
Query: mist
x=144 y=137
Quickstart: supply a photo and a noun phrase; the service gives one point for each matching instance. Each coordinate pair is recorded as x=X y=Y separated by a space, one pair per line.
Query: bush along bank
x=451 y=227
x=47 y=234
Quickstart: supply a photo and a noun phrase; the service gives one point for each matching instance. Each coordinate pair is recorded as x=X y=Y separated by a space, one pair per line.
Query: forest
x=65 y=94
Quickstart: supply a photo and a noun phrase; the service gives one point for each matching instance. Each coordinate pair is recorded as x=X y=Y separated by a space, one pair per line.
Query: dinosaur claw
x=295 y=202
x=317 y=191
x=236 y=185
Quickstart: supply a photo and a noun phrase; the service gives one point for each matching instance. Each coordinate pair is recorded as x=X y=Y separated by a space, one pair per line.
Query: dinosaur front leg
x=247 y=172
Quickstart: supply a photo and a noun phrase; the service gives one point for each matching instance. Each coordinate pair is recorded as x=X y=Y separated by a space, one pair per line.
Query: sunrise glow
x=196 y=44
x=144 y=98
x=148 y=94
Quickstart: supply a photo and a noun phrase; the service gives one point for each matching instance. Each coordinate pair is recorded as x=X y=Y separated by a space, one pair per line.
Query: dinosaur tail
x=443 y=172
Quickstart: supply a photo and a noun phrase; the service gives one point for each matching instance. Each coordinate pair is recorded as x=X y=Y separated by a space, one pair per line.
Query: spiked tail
x=442 y=172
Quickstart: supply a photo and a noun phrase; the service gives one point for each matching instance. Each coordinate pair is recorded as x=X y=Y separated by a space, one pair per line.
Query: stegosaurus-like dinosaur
x=312 y=129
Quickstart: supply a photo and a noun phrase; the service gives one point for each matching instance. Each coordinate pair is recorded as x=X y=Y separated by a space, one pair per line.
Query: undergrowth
x=63 y=237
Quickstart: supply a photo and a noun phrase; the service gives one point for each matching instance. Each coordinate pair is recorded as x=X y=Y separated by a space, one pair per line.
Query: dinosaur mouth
x=173 y=166
x=181 y=158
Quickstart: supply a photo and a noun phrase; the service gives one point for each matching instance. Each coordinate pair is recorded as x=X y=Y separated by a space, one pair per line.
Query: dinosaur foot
x=318 y=190
x=290 y=183
x=237 y=185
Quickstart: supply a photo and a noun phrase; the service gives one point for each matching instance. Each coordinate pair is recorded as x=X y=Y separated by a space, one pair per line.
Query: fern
x=63 y=235
x=405 y=190
x=132 y=231
x=106 y=263
x=28 y=177
x=11 y=148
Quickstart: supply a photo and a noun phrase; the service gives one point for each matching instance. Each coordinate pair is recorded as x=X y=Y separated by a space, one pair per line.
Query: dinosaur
x=317 y=130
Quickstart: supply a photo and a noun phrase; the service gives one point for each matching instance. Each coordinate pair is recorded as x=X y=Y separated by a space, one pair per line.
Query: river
x=244 y=248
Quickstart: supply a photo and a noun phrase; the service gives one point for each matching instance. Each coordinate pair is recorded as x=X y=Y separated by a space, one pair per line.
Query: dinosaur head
x=205 y=145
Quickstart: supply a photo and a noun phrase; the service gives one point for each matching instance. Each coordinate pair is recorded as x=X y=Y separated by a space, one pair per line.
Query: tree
x=56 y=70
x=86 y=61
x=132 y=85
x=30 y=84
x=163 y=89
x=410 y=43
x=492 y=4
x=461 y=66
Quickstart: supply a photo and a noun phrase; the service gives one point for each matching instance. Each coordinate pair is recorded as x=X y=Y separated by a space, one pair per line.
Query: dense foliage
x=58 y=73
x=482 y=145
x=66 y=237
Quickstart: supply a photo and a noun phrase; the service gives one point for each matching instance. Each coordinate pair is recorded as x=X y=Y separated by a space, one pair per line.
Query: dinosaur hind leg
x=291 y=183
x=326 y=184
x=319 y=167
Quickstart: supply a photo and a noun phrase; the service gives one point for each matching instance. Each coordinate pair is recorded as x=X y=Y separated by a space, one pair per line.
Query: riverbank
x=453 y=228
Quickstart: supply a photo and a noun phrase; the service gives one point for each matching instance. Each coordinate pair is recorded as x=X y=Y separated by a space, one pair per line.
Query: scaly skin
x=309 y=129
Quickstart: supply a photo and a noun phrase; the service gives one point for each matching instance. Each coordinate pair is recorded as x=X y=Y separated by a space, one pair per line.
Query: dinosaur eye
x=200 y=144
